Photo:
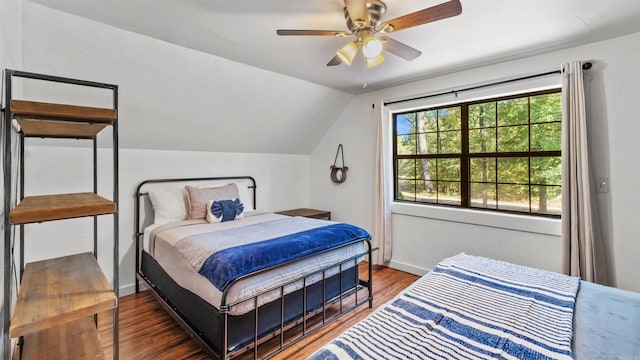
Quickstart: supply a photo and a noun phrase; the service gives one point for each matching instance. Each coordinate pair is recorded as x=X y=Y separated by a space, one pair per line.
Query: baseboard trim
x=398 y=265
x=127 y=290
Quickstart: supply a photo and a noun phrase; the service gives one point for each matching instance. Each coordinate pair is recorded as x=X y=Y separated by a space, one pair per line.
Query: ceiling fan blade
x=337 y=33
x=335 y=61
x=420 y=17
x=357 y=10
x=400 y=49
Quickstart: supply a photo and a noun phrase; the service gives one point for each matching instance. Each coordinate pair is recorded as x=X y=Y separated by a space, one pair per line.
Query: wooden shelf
x=59 y=129
x=58 y=298
x=75 y=340
x=58 y=291
x=56 y=207
x=42 y=110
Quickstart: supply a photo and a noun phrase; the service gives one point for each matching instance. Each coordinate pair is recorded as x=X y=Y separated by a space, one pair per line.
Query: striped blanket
x=468 y=307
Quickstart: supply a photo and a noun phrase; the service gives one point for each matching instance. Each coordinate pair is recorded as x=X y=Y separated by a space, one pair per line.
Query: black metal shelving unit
x=47 y=120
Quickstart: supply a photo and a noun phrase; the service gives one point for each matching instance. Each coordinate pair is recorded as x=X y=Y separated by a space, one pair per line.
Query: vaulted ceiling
x=212 y=75
x=245 y=31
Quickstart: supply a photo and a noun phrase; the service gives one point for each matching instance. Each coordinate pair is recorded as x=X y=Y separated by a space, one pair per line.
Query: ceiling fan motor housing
x=375 y=9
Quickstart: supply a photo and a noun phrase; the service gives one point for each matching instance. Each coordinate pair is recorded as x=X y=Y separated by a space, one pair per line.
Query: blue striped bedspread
x=468 y=307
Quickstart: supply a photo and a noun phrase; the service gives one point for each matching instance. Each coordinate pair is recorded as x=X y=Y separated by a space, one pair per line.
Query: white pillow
x=246 y=198
x=168 y=205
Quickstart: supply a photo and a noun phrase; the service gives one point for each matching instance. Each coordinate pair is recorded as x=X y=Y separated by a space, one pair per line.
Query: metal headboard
x=142 y=205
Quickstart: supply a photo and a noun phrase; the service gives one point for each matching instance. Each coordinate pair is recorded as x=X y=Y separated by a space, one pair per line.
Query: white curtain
x=583 y=243
x=383 y=188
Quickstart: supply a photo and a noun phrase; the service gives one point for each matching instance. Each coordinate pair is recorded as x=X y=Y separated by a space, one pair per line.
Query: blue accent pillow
x=224 y=210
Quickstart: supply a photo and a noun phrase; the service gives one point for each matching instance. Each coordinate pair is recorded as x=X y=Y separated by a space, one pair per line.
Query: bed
x=234 y=277
x=472 y=307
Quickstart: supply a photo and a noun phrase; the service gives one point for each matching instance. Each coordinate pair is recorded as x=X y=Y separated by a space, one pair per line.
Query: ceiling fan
x=364 y=21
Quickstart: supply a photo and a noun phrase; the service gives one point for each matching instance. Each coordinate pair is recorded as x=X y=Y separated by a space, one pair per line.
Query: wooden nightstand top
x=310 y=213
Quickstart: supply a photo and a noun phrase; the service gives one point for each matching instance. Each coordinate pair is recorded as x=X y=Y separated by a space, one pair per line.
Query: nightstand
x=310 y=213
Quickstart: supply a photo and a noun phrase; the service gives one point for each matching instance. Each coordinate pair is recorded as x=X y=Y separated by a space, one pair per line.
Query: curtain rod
x=585 y=66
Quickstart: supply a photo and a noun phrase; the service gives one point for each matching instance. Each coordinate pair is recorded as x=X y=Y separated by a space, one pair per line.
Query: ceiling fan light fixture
x=348 y=52
x=374 y=61
x=371 y=47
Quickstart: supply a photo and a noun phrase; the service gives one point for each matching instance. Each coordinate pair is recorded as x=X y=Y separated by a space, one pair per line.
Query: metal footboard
x=258 y=339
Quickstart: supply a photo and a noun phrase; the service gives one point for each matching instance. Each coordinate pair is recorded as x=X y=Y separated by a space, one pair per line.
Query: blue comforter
x=226 y=265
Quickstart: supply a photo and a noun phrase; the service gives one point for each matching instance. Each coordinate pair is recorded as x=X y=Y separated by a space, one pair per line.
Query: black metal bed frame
x=225 y=308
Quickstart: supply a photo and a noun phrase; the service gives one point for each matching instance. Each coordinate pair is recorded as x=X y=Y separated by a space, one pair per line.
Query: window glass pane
x=449 y=119
x=513 y=138
x=546 y=170
x=449 y=169
x=425 y=169
x=406 y=144
x=483 y=170
x=427 y=143
x=406 y=169
x=482 y=140
x=427 y=121
x=513 y=197
x=449 y=193
x=513 y=154
x=513 y=171
x=513 y=111
x=546 y=200
x=546 y=137
x=546 y=108
x=450 y=142
x=482 y=115
x=427 y=191
x=483 y=196
x=405 y=123
x=406 y=190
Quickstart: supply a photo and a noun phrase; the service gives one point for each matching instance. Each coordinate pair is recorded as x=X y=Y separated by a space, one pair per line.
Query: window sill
x=532 y=224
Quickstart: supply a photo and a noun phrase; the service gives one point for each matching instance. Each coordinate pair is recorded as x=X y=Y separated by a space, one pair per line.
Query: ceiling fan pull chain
x=339 y=174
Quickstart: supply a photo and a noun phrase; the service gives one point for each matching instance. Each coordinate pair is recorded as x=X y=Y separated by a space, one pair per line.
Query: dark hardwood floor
x=148 y=332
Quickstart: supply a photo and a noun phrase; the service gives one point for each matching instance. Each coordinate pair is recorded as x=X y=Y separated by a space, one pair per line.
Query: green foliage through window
x=498 y=154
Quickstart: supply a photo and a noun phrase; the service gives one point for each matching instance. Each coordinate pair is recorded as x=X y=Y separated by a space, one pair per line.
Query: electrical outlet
x=602 y=184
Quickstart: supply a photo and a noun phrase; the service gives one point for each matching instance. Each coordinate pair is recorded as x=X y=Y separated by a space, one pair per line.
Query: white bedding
x=162 y=248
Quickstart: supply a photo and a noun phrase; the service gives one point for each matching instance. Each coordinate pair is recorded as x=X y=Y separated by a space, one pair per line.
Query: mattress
x=605 y=325
x=160 y=242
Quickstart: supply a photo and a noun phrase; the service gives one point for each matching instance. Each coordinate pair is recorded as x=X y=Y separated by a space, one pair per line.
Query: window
x=500 y=154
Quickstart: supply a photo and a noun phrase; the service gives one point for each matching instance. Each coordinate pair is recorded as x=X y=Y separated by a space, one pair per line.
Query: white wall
x=175 y=98
x=421 y=239
x=281 y=179
x=10 y=34
x=352 y=200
